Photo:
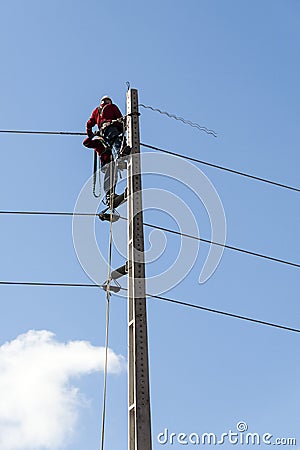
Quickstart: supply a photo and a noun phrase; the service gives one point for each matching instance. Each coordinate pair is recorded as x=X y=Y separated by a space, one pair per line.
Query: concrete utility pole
x=139 y=420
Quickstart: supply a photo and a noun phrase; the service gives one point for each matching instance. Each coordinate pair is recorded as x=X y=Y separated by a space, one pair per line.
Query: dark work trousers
x=110 y=177
x=112 y=138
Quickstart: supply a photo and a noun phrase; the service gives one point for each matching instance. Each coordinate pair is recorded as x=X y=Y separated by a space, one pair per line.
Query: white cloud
x=38 y=406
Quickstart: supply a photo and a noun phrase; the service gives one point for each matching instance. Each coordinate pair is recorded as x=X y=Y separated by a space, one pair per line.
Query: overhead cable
x=230 y=247
x=50 y=284
x=46 y=213
x=224 y=313
x=167 y=230
x=159 y=297
x=66 y=133
x=216 y=166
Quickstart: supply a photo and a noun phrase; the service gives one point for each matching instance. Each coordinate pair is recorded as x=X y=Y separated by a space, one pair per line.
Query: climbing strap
x=96 y=176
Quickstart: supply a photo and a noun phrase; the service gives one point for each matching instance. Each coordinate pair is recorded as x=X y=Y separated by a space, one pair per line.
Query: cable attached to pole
x=181 y=119
x=105 y=368
x=113 y=171
x=226 y=169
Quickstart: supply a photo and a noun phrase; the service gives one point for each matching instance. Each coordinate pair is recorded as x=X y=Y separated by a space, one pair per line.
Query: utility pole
x=139 y=420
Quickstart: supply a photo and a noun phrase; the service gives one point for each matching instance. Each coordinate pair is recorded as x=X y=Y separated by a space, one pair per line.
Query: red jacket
x=100 y=115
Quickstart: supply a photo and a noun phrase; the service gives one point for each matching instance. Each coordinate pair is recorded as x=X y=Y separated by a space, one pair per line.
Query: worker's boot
x=121 y=163
x=123 y=156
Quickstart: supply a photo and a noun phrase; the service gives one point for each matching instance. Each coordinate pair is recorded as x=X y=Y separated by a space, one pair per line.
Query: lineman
x=108 y=118
x=109 y=131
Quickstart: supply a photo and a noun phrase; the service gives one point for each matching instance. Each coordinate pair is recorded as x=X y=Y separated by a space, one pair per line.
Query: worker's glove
x=105 y=125
x=90 y=133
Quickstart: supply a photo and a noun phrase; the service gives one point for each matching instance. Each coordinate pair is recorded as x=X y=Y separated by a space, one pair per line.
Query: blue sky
x=231 y=66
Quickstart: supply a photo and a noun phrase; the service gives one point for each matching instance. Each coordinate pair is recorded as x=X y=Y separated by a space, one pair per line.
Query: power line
x=66 y=133
x=158 y=297
x=46 y=213
x=37 y=283
x=167 y=230
x=216 y=166
x=230 y=247
x=224 y=313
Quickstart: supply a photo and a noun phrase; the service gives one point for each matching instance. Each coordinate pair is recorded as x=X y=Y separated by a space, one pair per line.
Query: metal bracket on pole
x=139 y=419
x=107 y=286
x=120 y=272
x=107 y=216
x=119 y=199
x=115 y=275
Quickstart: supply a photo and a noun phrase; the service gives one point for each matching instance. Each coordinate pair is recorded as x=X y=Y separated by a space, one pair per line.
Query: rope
x=112 y=179
x=105 y=369
x=112 y=169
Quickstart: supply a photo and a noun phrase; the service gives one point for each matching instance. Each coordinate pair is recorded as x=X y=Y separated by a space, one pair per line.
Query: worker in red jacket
x=108 y=118
x=110 y=130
